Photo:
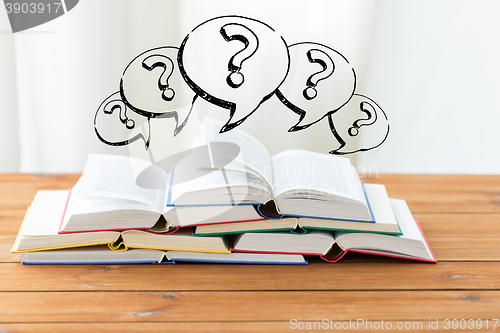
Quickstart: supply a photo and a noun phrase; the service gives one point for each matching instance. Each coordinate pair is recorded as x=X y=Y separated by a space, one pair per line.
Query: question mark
x=117 y=104
x=372 y=118
x=158 y=60
x=323 y=59
x=236 y=31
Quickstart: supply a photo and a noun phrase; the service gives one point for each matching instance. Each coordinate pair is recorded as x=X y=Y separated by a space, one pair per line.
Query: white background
x=432 y=65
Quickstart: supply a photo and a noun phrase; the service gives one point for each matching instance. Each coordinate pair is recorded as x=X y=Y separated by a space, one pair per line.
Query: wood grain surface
x=460 y=216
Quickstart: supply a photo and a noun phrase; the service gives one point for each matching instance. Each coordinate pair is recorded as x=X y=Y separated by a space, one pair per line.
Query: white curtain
x=9 y=124
x=431 y=65
x=435 y=70
x=54 y=76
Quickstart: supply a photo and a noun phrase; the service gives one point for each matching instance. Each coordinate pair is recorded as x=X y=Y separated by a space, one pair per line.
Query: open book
x=42 y=221
x=220 y=180
x=294 y=183
x=103 y=255
x=108 y=197
x=385 y=221
x=331 y=246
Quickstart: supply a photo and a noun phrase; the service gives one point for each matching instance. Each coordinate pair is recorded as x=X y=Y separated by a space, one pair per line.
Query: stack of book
x=225 y=202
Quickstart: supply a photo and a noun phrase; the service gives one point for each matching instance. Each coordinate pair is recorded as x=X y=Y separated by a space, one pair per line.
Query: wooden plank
x=443 y=193
x=462 y=236
x=463 y=225
x=465 y=248
x=398 y=275
x=10 y=222
x=424 y=193
x=64 y=307
x=18 y=190
x=5 y=247
x=221 y=327
x=451 y=236
x=242 y=327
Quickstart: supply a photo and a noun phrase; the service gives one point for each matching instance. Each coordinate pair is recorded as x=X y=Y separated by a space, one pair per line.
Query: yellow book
x=40 y=227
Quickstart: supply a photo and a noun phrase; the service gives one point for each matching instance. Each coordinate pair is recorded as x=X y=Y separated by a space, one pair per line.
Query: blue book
x=236 y=169
x=380 y=207
x=102 y=255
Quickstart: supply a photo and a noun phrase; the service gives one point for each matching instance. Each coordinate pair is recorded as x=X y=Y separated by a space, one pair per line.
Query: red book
x=332 y=246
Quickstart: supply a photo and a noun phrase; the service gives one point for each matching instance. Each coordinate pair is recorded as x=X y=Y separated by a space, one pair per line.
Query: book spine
x=270 y=210
x=325 y=258
x=161 y=233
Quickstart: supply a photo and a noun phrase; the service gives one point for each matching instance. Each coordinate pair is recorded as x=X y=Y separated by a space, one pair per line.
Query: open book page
x=380 y=204
x=411 y=243
x=46 y=212
x=253 y=154
x=115 y=177
x=97 y=254
x=407 y=223
x=301 y=170
x=315 y=242
x=96 y=205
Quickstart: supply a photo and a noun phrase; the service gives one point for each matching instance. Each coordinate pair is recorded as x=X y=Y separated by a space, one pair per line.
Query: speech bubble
x=116 y=125
x=320 y=82
x=369 y=130
x=234 y=62
x=152 y=86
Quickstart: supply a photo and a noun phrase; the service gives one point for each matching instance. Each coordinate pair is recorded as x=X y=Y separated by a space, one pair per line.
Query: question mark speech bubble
x=234 y=62
x=371 y=118
x=371 y=121
x=320 y=82
x=116 y=125
x=324 y=60
x=234 y=31
x=152 y=86
x=158 y=60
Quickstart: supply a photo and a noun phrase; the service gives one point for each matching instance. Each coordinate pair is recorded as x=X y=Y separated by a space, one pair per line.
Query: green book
x=385 y=221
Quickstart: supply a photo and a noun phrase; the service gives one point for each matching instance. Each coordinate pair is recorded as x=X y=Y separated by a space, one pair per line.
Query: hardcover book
x=107 y=197
x=332 y=246
x=39 y=231
x=293 y=183
x=103 y=255
x=385 y=221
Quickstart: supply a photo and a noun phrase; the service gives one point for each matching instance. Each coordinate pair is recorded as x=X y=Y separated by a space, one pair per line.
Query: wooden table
x=460 y=216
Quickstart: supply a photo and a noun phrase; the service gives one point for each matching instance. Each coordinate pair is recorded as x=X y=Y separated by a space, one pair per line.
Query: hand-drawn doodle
x=322 y=82
x=116 y=125
x=234 y=31
x=372 y=121
x=151 y=85
x=234 y=62
x=238 y=63
x=323 y=59
x=158 y=60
